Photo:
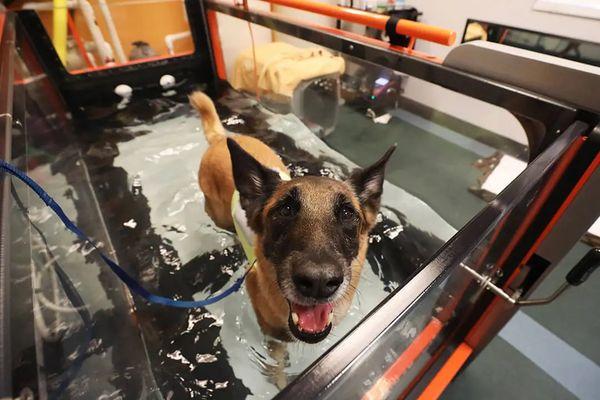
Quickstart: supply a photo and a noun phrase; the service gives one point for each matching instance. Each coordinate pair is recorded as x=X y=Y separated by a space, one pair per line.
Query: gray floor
x=438 y=169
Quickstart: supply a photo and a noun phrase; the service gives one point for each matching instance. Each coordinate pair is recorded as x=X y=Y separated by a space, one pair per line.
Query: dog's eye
x=288 y=210
x=347 y=213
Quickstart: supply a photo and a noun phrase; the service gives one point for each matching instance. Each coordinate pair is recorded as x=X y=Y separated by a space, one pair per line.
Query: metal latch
x=576 y=276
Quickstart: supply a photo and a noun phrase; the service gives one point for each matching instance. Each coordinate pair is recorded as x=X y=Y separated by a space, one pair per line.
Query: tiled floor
x=439 y=171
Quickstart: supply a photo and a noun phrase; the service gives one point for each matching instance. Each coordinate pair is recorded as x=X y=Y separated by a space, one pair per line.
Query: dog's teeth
x=295 y=318
x=330 y=318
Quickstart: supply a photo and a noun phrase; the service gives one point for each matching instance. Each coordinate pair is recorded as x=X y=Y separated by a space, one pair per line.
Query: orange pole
x=442 y=379
x=382 y=388
x=215 y=39
x=2 y=20
x=78 y=41
x=403 y=27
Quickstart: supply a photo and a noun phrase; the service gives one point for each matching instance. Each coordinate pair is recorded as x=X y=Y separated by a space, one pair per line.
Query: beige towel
x=281 y=67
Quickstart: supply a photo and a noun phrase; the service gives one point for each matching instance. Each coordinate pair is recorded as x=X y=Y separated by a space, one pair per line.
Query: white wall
x=306 y=18
x=235 y=36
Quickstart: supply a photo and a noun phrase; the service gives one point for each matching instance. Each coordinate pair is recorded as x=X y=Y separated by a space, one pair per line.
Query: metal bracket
x=578 y=274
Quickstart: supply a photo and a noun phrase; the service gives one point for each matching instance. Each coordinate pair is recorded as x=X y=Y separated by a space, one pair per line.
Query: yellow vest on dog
x=245 y=235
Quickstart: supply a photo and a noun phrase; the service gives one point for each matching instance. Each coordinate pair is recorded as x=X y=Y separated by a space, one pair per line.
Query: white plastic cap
x=167 y=81
x=124 y=91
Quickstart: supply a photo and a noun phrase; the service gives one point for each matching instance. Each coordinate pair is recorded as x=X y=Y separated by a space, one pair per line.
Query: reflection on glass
x=90 y=34
x=571 y=49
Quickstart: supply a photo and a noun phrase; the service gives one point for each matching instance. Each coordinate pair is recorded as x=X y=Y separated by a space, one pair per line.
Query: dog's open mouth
x=311 y=324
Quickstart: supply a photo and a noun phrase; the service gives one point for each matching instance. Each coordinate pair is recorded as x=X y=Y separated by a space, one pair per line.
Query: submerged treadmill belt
x=164 y=236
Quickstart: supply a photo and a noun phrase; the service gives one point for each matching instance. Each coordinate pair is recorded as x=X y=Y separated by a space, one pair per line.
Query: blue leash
x=133 y=285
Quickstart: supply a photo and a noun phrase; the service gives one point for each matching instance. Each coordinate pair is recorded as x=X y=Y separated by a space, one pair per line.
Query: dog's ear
x=254 y=182
x=368 y=185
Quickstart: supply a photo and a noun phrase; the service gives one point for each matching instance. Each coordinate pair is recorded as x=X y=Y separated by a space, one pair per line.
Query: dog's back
x=215 y=175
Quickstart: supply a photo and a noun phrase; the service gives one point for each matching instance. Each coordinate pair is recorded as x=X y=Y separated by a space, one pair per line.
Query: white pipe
x=46 y=6
x=112 y=31
x=92 y=59
x=169 y=39
x=37 y=286
x=55 y=290
x=90 y=20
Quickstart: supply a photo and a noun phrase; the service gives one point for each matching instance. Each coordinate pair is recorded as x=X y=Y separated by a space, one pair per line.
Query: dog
x=309 y=234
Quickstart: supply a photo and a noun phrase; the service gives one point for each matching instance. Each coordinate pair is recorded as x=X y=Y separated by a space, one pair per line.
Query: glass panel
x=359 y=109
x=127 y=172
x=390 y=365
x=104 y=33
x=72 y=328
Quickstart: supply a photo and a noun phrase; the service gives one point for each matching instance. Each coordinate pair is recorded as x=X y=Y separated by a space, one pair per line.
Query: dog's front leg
x=278 y=351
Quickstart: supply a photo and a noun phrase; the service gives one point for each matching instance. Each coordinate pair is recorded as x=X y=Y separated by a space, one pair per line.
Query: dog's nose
x=317 y=285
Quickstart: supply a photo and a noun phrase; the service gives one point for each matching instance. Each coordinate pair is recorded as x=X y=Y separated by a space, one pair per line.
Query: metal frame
x=546 y=121
x=7 y=40
x=487 y=281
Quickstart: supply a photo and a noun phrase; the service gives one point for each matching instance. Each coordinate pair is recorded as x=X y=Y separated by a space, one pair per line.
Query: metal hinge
x=578 y=274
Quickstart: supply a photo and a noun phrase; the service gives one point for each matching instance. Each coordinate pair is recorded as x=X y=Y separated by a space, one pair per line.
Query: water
x=142 y=164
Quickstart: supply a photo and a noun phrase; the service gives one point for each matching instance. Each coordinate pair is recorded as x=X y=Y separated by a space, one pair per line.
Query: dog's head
x=310 y=230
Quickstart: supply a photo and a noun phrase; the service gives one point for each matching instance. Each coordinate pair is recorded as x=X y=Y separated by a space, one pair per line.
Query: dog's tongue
x=312 y=319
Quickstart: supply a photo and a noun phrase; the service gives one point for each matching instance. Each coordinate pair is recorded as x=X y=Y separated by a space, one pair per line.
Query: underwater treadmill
x=434 y=291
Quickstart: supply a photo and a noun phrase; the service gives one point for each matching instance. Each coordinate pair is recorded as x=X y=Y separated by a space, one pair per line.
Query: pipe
x=46 y=6
x=112 y=31
x=403 y=27
x=59 y=28
x=90 y=20
x=79 y=42
x=169 y=39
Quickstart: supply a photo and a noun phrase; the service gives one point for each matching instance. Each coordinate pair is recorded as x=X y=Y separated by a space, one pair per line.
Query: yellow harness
x=245 y=235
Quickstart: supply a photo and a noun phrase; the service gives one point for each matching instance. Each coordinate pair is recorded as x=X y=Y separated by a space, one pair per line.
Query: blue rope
x=133 y=285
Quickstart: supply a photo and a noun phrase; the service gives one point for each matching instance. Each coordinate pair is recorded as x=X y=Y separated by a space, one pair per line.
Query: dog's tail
x=213 y=129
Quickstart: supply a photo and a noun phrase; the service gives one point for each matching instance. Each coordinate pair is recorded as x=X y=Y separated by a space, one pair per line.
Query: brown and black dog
x=311 y=232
